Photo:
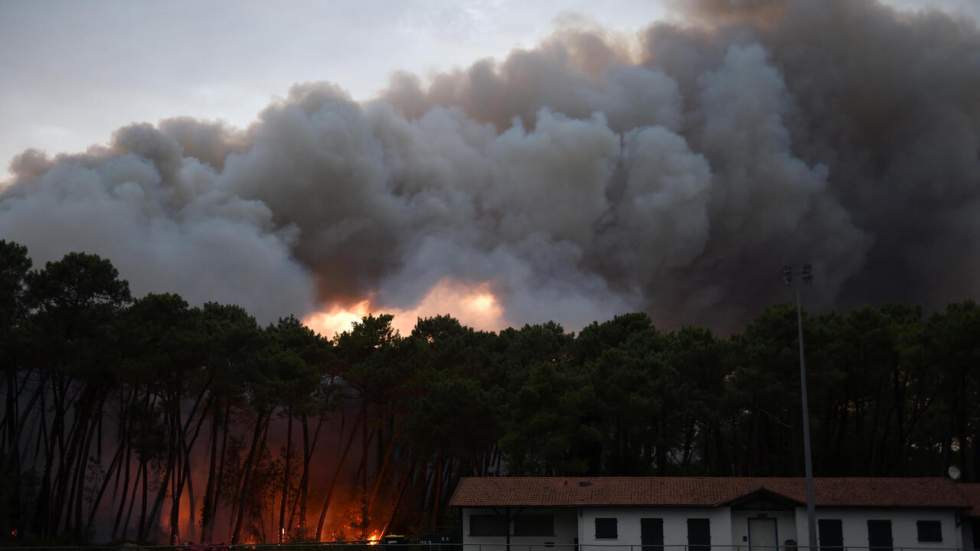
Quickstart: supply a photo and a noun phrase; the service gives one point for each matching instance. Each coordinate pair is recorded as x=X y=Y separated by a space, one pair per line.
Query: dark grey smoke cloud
x=582 y=178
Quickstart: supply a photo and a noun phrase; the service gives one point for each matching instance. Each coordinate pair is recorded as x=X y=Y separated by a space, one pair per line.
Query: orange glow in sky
x=473 y=305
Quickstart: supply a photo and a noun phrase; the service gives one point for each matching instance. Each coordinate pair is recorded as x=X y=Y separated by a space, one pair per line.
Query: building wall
x=729 y=529
x=854 y=522
x=966 y=533
x=785 y=527
x=566 y=530
x=675 y=526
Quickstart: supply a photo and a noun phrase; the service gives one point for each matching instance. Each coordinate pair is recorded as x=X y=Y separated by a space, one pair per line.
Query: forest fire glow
x=474 y=305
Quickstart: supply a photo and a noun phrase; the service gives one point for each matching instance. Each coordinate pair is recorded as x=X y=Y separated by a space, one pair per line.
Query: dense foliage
x=150 y=419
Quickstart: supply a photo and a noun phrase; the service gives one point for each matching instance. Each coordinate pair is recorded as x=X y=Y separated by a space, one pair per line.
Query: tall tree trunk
x=436 y=490
x=113 y=466
x=177 y=481
x=210 y=490
x=168 y=475
x=401 y=492
x=364 y=473
x=143 y=501
x=333 y=480
x=125 y=488
x=187 y=474
x=285 y=475
x=12 y=451
x=219 y=482
x=260 y=425
x=302 y=498
x=382 y=472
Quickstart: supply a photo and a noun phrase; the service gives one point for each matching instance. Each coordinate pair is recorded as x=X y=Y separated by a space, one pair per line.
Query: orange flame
x=473 y=305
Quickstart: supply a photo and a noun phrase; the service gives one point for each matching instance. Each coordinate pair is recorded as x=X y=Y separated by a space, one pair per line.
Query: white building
x=714 y=514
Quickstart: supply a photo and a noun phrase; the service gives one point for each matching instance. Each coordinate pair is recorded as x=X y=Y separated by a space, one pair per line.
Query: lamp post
x=806 y=276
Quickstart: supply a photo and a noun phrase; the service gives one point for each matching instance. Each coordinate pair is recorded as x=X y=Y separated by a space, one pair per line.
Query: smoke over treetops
x=675 y=173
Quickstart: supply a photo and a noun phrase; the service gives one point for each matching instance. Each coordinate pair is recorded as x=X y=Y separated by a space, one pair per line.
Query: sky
x=75 y=71
x=72 y=72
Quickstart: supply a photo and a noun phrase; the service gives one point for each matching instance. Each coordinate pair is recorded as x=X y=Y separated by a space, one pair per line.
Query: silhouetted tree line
x=136 y=419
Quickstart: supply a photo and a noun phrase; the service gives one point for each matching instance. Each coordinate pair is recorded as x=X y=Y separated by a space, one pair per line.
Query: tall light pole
x=806 y=276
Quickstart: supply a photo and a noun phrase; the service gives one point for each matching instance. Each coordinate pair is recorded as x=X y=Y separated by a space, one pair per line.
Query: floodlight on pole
x=806 y=276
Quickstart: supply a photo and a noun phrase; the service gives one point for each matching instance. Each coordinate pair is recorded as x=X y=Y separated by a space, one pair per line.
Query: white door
x=762 y=534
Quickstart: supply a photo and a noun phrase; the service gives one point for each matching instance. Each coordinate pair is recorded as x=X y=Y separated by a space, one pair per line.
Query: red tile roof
x=972 y=494
x=706 y=491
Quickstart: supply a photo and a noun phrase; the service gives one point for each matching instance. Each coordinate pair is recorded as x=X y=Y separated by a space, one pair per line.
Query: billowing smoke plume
x=582 y=178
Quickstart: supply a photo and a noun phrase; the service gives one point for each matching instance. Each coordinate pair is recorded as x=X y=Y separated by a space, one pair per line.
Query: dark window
x=488 y=525
x=930 y=530
x=606 y=529
x=698 y=534
x=880 y=535
x=534 y=525
x=831 y=534
x=652 y=534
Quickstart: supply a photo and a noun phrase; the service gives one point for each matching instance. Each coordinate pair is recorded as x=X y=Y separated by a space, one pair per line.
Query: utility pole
x=806 y=276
